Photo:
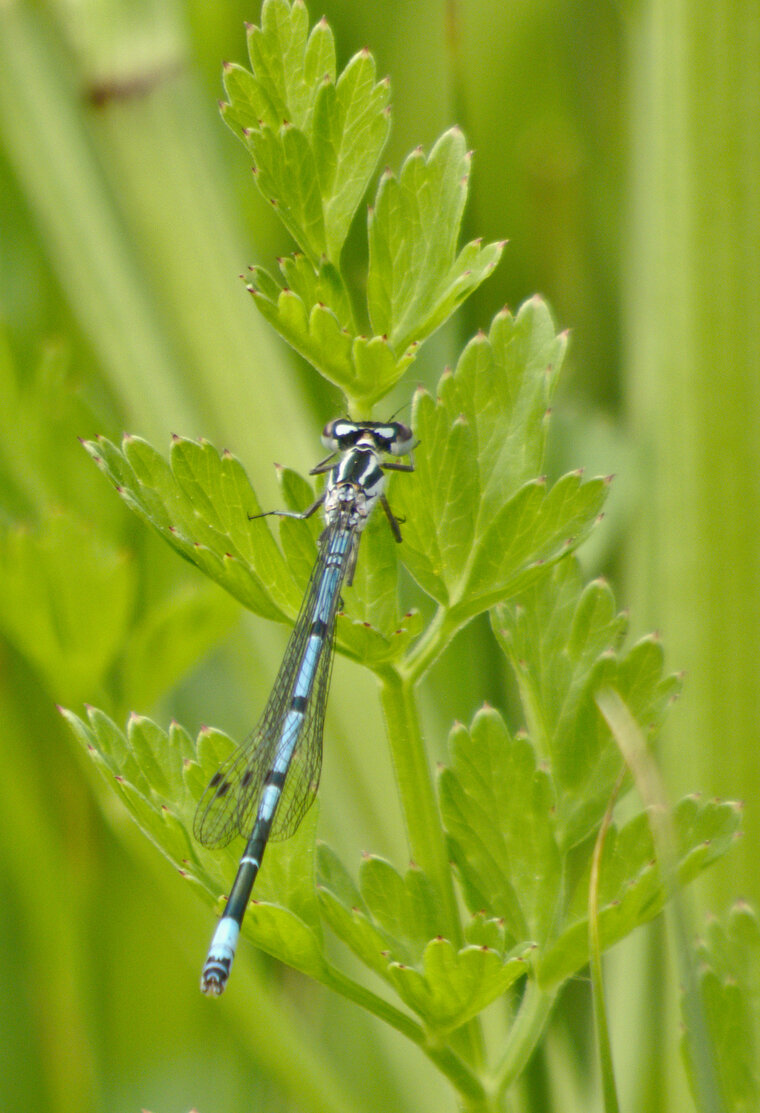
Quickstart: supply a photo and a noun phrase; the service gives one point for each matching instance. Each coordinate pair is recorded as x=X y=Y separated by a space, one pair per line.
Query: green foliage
x=527 y=896
x=201 y=505
x=480 y=525
x=518 y=857
x=416 y=278
x=315 y=142
x=517 y=809
x=53 y=576
x=562 y=638
x=518 y=812
x=728 y=957
x=127 y=213
x=70 y=599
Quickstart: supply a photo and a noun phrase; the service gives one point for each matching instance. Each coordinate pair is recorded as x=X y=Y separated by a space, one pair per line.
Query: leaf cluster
x=521 y=848
x=728 y=956
x=519 y=811
x=316 y=138
x=71 y=603
x=515 y=813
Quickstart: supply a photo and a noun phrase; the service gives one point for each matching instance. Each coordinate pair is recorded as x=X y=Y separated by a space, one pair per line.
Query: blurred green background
x=617 y=146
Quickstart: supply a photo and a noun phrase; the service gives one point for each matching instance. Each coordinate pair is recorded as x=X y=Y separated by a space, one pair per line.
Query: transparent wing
x=216 y=817
x=229 y=804
x=302 y=782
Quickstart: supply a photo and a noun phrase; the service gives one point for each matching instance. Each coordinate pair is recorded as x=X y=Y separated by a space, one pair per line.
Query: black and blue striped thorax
x=357 y=481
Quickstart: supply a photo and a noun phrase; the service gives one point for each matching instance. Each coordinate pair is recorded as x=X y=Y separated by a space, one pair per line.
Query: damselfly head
x=392 y=437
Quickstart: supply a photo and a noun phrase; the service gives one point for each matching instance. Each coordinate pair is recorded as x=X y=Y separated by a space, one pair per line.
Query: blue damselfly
x=267 y=785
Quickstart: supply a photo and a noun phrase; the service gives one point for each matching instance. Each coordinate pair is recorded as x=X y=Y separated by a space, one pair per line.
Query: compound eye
x=339 y=433
x=328 y=435
x=401 y=439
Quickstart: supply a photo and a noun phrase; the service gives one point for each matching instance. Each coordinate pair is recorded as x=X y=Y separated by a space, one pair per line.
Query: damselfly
x=266 y=786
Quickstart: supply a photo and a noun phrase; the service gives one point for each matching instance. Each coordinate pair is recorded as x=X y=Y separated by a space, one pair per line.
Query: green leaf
x=373 y=595
x=502 y=820
x=333 y=875
x=388 y=918
x=366 y=644
x=365 y=368
x=106 y=745
x=66 y=603
x=407 y=909
x=498 y=810
x=485 y=931
x=503 y=386
x=390 y=924
x=415 y=281
x=283 y=935
x=440 y=501
x=377 y=366
x=314 y=331
x=415 y=278
x=631 y=889
x=278 y=54
x=351 y=123
x=202 y=505
x=729 y=975
x=454 y=986
x=478 y=526
x=249 y=102
x=562 y=639
x=323 y=287
x=355 y=928
x=315 y=141
x=298 y=538
x=285 y=172
x=315 y=144
x=146 y=768
x=535 y=528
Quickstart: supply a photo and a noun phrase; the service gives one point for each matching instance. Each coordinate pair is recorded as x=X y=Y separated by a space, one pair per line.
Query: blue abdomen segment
x=298 y=721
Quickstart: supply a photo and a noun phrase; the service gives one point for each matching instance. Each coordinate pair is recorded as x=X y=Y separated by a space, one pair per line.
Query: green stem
x=524 y=1035
x=422 y=819
x=340 y=983
x=609 y=1089
x=467 y=1084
